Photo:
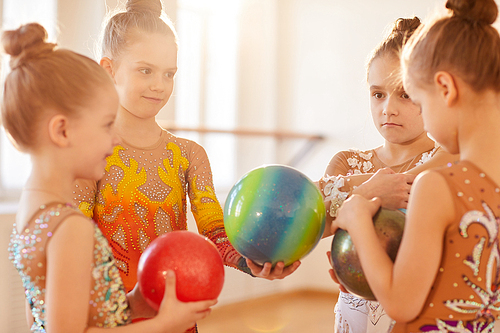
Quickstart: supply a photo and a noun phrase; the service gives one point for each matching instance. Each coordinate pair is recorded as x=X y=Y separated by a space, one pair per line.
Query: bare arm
x=431 y=210
x=70 y=256
x=69 y=260
x=29 y=317
x=392 y=188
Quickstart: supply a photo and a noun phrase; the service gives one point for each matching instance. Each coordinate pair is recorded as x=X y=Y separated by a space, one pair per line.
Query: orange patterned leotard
x=143 y=195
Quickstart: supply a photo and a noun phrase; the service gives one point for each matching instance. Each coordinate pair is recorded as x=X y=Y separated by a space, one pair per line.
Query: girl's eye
x=145 y=71
x=378 y=95
x=405 y=96
x=170 y=75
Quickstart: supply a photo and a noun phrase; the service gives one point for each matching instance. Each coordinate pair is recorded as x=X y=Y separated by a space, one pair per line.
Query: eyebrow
x=145 y=63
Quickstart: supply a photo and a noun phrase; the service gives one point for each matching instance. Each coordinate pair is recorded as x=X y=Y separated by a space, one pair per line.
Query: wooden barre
x=247 y=132
x=311 y=139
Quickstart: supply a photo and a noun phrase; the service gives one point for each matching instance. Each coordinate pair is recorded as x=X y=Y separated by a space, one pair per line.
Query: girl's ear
x=107 y=64
x=446 y=87
x=58 y=130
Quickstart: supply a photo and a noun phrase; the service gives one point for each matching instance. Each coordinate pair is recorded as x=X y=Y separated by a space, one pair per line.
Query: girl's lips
x=153 y=99
x=391 y=125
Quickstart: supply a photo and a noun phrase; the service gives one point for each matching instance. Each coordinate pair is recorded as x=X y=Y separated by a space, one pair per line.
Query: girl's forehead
x=385 y=71
x=154 y=48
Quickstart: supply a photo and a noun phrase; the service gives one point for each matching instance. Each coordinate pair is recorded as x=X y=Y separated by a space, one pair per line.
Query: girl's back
x=467 y=280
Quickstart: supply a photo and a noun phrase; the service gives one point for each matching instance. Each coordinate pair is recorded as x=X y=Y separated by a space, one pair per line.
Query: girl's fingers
x=278 y=269
x=203 y=306
x=329 y=255
x=170 y=285
x=292 y=268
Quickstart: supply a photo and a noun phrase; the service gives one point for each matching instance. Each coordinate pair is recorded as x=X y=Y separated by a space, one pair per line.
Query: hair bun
x=406 y=25
x=25 y=43
x=403 y=28
x=145 y=6
x=484 y=11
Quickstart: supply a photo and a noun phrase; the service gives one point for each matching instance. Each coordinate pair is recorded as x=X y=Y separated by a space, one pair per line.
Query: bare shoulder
x=431 y=199
x=75 y=231
x=440 y=158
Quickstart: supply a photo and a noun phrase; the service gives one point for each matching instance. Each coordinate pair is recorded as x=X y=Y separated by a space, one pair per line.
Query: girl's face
x=144 y=73
x=395 y=115
x=440 y=124
x=93 y=135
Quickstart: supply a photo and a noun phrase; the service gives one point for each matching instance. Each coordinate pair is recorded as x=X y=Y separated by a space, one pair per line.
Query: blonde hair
x=43 y=77
x=140 y=15
x=463 y=42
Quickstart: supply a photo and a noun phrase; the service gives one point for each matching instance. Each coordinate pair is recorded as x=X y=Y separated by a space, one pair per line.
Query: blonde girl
x=60 y=107
x=151 y=174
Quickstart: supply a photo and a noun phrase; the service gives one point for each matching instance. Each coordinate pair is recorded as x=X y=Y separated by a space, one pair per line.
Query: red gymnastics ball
x=197 y=264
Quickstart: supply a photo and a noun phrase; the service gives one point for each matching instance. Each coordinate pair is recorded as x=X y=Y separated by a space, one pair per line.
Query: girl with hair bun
x=71 y=281
x=446 y=274
x=143 y=193
x=386 y=171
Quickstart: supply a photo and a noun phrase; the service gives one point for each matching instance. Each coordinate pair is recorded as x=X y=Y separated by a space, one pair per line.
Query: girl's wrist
x=336 y=189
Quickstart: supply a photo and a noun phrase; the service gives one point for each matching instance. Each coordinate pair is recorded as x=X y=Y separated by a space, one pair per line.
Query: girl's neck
x=48 y=182
x=478 y=138
x=397 y=153
x=140 y=132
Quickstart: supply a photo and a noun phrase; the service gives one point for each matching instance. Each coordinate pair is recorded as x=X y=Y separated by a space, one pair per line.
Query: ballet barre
x=311 y=139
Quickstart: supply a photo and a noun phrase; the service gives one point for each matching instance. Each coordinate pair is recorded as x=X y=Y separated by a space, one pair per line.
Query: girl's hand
x=177 y=316
x=138 y=305
x=332 y=273
x=268 y=272
x=354 y=212
x=392 y=188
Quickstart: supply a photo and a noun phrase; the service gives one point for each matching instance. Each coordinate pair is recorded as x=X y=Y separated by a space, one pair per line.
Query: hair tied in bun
x=482 y=11
x=26 y=43
x=153 y=7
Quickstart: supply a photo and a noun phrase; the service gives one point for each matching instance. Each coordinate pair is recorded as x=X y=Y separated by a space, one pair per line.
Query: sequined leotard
x=465 y=296
x=353 y=314
x=143 y=195
x=108 y=305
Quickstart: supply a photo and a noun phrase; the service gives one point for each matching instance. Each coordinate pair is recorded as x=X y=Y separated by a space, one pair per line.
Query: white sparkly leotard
x=353 y=314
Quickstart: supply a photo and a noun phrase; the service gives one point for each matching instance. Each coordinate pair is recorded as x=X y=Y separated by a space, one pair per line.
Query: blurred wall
x=303 y=69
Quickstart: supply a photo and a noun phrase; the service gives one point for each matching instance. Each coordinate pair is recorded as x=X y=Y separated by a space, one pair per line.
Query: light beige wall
x=80 y=24
x=12 y=315
x=303 y=69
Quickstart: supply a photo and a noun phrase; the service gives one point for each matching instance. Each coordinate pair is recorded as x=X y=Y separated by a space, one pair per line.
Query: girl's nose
x=391 y=107
x=157 y=83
